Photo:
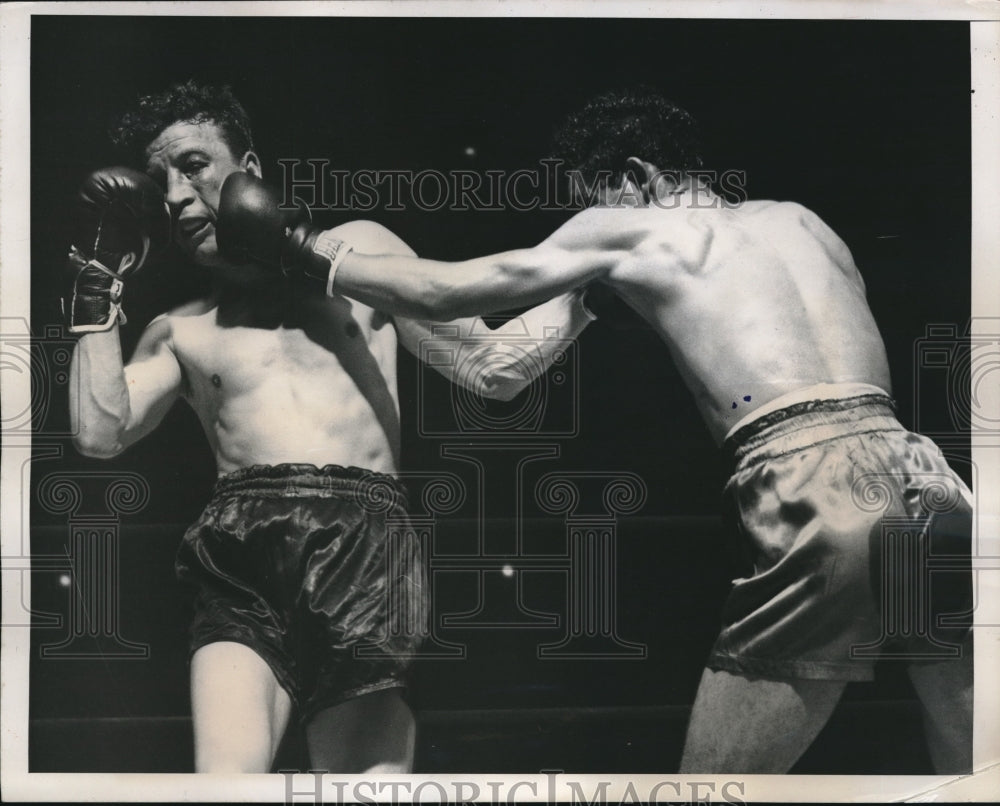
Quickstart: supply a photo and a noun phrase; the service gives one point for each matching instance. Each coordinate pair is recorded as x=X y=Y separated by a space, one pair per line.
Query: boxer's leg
x=945 y=688
x=755 y=725
x=373 y=733
x=945 y=692
x=239 y=710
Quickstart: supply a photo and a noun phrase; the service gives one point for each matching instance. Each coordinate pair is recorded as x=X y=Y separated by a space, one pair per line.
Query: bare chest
x=314 y=350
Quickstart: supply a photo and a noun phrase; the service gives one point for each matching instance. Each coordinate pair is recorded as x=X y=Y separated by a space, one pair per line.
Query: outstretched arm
x=499 y=363
x=404 y=285
x=494 y=363
x=365 y=262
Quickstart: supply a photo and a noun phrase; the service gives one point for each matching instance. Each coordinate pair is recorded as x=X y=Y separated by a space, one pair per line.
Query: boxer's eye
x=159 y=176
x=194 y=167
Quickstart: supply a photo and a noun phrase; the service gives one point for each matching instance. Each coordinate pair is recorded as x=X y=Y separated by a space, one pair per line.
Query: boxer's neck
x=688 y=193
x=265 y=305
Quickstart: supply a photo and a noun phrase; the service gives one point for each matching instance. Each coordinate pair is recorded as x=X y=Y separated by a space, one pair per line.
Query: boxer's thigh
x=239 y=709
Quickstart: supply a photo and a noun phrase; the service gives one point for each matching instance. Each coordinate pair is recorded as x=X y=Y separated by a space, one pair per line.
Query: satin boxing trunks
x=859 y=536
x=316 y=571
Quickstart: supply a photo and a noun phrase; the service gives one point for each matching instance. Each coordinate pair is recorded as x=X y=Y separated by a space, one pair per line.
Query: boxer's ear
x=643 y=175
x=635 y=172
x=251 y=164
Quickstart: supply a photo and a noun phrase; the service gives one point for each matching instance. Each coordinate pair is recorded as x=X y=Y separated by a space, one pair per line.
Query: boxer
x=765 y=314
x=296 y=392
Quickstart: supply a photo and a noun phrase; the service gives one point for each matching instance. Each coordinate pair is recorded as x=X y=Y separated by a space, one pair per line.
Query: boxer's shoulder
x=785 y=211
x=187 y=310
x=165 y=326
x=367 y=236
x=795 y=219
x=195 y=307
x=611 y=228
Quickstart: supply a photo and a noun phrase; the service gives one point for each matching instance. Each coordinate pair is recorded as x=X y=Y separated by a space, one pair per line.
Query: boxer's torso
x=754 y=302
x=291 y=378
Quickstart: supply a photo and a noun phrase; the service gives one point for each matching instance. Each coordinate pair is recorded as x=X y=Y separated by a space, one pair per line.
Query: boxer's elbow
x=503 y=389
x=504 y=381
x=95 y=444
x=506 y=389
x=99 y=435
x=99 y=452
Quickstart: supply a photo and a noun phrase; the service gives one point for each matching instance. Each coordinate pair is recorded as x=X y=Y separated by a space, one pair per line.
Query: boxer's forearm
x=429 y=289
x=524 y=348
x=498 y=363
x=98 y=395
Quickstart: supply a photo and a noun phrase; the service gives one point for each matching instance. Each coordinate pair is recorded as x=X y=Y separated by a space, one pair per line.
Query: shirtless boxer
x=296 y=393
x=764 y=312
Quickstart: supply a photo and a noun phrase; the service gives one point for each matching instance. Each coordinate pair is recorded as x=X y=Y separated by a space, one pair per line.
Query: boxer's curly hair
x=614 y=126
x=189 y=102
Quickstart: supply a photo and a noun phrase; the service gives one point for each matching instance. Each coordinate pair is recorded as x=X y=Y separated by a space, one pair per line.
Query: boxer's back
x=754 y=302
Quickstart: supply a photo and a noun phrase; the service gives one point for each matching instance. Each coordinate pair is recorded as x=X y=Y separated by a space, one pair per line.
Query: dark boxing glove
x=122 y=218
x=253 y=227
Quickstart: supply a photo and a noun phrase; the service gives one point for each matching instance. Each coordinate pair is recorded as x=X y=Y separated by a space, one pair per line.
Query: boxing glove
x=252 y=226
x=121 y=219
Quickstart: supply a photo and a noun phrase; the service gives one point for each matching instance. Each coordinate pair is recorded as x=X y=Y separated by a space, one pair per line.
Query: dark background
x=866 y=123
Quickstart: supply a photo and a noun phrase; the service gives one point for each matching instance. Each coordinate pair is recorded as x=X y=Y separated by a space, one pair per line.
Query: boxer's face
x=191 y=161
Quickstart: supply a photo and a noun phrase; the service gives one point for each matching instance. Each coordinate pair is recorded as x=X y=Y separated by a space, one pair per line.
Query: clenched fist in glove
x=122 y=218
x=253 y=227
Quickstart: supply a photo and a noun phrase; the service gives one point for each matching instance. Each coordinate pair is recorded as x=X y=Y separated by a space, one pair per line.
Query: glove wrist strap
x=334 y=250
x=317 y=255
x=96 y=309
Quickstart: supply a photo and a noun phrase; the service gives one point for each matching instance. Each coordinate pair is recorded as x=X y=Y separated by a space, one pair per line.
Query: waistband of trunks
x=377 y=491
x=809 y=423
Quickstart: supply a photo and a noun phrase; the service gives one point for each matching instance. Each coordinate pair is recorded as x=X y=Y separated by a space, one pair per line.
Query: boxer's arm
x=498 y=363
x=583 y=250
x=499 y=368
x=112 y=405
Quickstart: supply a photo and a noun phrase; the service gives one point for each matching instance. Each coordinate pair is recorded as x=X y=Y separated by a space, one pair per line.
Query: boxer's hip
x=372 y=490
x=784 y=429
x=822 y=493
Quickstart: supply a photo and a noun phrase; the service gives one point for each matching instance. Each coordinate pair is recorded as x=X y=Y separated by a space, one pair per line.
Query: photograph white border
x=19 y=785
